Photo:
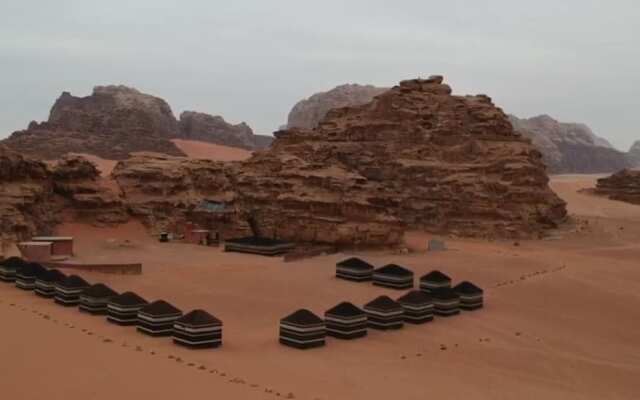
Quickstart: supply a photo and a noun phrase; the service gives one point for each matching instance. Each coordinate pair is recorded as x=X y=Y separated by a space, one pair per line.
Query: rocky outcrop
x=214 y=129
x=634 y=155
x=26 y=196
x=309 y=112
x=116 y=121
x=88 y=196
x=415 y=157
x=570 y=148
x=623 y=185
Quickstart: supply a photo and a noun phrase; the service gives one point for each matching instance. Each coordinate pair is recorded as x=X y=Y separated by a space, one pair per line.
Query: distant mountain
x=634 y=154
x=570 y=147
x=115 y=121
x=307 y=113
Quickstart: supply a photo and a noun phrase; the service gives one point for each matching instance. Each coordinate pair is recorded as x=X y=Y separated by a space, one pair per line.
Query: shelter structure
x=27 y=275
x=446 y=302
x=46 y=283
x=302 y=330
x=434 y=280
x=393 y=276
x=384 y=313
x=95 y=298
x=123 y=309
x=198 y=329
x=418 y=307
x=157 y=318
x=471 y=296
x=61 y=246
x=68 y=290
x=346 y=321
x=36 y=251
x=258 y=245
x=10 y=267
x=354 y=269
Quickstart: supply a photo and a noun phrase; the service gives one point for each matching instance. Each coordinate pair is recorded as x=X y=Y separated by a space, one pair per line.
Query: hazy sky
x=577 y=60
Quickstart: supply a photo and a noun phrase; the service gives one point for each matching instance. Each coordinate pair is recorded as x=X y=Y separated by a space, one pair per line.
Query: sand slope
x=197 y=149
x=561 y=322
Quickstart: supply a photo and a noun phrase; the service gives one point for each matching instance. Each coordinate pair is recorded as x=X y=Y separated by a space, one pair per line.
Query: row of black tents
x=303 y=329
x=196 y=329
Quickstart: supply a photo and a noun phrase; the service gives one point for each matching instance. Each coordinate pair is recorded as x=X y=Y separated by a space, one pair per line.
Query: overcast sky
x=577 y=60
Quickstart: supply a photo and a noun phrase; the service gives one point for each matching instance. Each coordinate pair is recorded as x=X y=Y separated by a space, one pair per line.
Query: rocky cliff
x=634 y=155
x=309 y=112
x=569 y=147
x=415 y=156
x=115 y=121
x=214 y=129
x=623 y=185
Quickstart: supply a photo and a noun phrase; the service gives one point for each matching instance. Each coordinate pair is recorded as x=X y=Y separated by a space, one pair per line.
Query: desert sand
x=211 y=151
x=561 y=321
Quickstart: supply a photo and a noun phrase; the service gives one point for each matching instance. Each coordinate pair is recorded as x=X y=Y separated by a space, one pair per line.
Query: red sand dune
x=196 y=149
x=561 y=321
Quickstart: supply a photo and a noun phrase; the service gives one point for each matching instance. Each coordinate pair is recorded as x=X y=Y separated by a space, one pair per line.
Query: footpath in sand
x=562 y=321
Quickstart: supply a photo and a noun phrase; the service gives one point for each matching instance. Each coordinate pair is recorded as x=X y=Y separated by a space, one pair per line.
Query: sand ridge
x=558 y=313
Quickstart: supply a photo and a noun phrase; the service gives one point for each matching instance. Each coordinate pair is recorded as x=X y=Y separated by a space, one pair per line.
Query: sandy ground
x=562 y=321
x=196 y=149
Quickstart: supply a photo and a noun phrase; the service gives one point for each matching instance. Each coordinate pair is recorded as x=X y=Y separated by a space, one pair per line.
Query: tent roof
x=32 y=269
x=160 y=307
x=383 y=303
x=436 y=276
x=52 y=275
x=128 y=299
x=415 y=297
x=73 y=281
x=393 y=269
x=199 y=317
x=467 y=287
x=355 y=263
x=13 y=262
x=303 y=317
x=444 y=294
x=99 y=290
x=345 y=309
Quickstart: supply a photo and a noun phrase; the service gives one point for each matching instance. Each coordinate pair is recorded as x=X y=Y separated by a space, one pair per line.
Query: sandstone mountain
x=308 y=113
x=634 y=155
x=623 y=185
x=566 y=148
x=115 y=121
x=570 y=147
x=207 y=128
x=414 y=157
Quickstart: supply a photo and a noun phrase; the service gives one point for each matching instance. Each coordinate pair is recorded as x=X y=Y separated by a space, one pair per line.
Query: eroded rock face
x=214 y=129
x=623 y=185
x=634 y=154
x=25 y=196
x=88 y=197
x=308 y=113
x=570 y=148
x=415 y=156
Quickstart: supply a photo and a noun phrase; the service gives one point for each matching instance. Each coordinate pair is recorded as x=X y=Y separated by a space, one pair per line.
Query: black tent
x=27 y=275
x=471 y=296
x=418 y=307
x=45 y=284
x=198 y=329
x=393 y=276
x=258 y=245
x=384 y=313
x=446 y=302
x=94 y=299
x=157 y=318
x=346 y=321
x=68 y=290
x=123 y=309
x=302 y=330
x=354 y=269
x=434 y=280
x=9 y=268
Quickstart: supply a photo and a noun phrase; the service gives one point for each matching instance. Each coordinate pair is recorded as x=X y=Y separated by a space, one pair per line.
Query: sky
x=252 y=60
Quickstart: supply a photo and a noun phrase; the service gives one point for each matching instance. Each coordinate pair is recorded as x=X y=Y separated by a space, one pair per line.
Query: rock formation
x=623 y=185
x=634 y=155
x=570 y=148
x=116 y=121
x=308 y=113
x=415 y=156
x=25 y=196
x=207 y=128
x=89 y=198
